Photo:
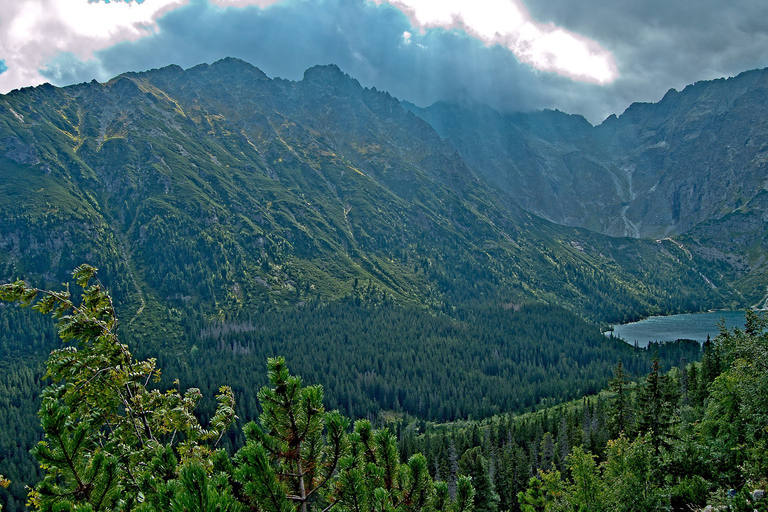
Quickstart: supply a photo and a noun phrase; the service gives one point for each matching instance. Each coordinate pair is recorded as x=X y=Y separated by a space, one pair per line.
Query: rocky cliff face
x=655 y=171
x=551 y=163
x=697 y=155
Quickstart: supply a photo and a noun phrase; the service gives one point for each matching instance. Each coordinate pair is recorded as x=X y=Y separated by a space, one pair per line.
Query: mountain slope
x=657 y=170
x=691 y=167
x=221 y=190
x=235 y=217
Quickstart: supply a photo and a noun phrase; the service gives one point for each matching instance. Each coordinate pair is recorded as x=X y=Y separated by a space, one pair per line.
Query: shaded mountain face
x=657 y=170
x=693 y=167
x=551 y=163
x=219 y=190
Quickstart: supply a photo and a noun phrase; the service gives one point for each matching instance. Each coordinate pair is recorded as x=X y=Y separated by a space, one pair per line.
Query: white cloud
x=32 y=32
x=41 y=34
x=508 y=23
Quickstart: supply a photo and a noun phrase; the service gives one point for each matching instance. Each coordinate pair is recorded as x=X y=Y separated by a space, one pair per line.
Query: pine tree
x=102 y=422
x=533 y=499
x=287 y=459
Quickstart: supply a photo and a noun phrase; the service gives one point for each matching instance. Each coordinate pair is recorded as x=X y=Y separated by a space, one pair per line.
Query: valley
x=436 y=264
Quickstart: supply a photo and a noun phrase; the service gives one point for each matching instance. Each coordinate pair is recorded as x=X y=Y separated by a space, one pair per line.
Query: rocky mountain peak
x=330 y=80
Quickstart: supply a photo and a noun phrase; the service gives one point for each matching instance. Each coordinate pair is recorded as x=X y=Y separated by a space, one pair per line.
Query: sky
x=588 y=57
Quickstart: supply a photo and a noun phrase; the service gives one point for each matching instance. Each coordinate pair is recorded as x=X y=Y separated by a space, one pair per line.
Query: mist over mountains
x=692 y=167
x=657 y=170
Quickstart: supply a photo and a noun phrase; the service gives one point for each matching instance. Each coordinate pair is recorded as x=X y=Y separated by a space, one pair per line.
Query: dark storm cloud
x=283 y=40
x=68 y=69
x=657 y=45
x=364 y=39
x=660 y=45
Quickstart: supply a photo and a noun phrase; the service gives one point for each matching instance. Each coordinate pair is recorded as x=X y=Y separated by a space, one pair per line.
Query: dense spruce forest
x=111 y=440
x=375 y=359
x=675 y=440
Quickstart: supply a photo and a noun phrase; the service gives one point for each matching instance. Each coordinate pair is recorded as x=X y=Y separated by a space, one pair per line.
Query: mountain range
x=219 y=190
x=657 y=170
x=692 y=167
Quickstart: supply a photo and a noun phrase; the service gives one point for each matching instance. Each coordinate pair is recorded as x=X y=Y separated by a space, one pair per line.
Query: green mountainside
x=219 y=190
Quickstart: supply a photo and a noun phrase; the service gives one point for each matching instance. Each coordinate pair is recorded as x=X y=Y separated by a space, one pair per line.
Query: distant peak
x=325 y=72
x=229 y=67
x=170 y=68
x=329 y=79
x=231 y=64
x=670 y=94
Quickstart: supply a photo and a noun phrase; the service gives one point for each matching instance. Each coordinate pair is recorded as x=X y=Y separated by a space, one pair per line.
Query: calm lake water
x=695 y=326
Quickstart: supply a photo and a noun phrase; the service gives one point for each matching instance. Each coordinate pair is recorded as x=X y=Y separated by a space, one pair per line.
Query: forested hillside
x=110 y=441
x=675 y=440
x=216 y=191
x=374 y=360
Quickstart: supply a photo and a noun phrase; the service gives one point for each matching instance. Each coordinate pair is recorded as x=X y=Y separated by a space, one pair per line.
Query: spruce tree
x=619 y=412
x=475 y=465
x=655 y=407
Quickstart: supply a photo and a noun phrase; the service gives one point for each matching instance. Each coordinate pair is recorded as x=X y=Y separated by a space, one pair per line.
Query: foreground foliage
x=370 y=357
x=114 y=442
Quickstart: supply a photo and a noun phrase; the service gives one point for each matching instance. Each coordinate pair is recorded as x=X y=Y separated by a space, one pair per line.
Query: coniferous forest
x=111 y=436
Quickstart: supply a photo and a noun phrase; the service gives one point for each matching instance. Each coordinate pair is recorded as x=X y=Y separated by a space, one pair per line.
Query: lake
x=693 y=326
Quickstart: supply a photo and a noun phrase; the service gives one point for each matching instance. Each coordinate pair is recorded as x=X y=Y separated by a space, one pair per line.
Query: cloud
x=660 y=45
x=366 y=40
x=245 y=3
x=34 y=31
x=656 y=45
x=508 y=23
